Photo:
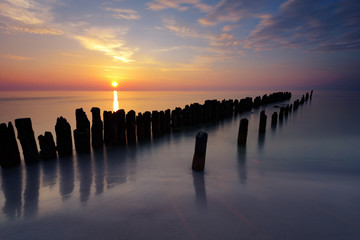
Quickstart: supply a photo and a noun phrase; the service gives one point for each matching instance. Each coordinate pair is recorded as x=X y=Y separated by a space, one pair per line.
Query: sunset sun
x=114 y=84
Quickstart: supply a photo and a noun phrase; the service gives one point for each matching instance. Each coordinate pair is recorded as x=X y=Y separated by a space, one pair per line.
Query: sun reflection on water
x=116 y=103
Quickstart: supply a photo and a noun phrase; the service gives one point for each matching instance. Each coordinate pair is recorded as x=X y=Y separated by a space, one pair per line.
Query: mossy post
x=27 y=140
x=243 y=131
x=9 y=151
x=63 y=137
x=198 y=163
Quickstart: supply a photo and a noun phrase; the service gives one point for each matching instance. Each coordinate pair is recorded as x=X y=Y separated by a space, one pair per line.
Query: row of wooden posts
x=117 y=128
x=198 y=163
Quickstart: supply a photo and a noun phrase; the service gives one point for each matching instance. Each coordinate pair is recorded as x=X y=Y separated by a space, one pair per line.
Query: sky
x=179 y=44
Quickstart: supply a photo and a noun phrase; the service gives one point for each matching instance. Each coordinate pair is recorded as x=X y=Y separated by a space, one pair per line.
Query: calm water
x=300 y=181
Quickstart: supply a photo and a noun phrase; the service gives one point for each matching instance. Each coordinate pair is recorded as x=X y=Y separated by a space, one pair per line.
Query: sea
x=300 y=180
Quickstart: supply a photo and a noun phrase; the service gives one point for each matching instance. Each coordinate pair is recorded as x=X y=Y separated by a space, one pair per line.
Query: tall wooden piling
x=140 y=127
x=243 y=131
x=47 y=146
x=96 y=129
x=147 y=125
x=27 y=140
x=155 y=121
x=63 y=137
x=131 y=127
x=198 y=163
x=167 y=120
x=110 y=128
x=9 y=151
x=121 y=127
x=262 y=123
x=274 y=119
x=82 y=132
x=162 y=122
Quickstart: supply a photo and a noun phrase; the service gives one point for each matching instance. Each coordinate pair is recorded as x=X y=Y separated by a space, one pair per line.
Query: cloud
x=180 y=5
x=17 y=58
x=108 y=41
x=123 y=13
x=313 y=25
x=8 y=29
x=232 y=11
x=25 y=11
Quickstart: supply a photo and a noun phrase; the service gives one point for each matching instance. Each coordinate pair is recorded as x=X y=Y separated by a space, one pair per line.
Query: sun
x=114 y=84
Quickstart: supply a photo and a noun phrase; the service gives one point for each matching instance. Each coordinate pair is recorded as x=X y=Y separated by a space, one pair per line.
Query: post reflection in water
x=200 y=191
x=242 y=164
x=32 y=188
x=99 y=164
x=85 y=176
x=67 y=177
x=116 y=102
x=12 y=189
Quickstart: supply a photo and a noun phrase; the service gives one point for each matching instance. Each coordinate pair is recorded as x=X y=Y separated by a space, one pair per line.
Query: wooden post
x=63 y=137
x=110 y=128
x=121 y=126
x=311 y=93
x=147 y=125
x=274 y=119
x=9 y=151
x=82 y=132
x=162 y=122
x=47 y=146
x=243 y=131
x=140 y=129
x=167 y=120
x=96 y=129
x=27 y=140
x=155 y=120
x=262 y=123
x=281 y=114
x=198 y=163
x=131 y=127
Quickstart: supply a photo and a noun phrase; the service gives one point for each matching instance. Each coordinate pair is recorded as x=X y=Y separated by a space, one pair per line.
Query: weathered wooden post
x=63 y=137
x=198 y=163
x=147 y=125
x=140 y=127
x=162 y=122
x=262 y=123
x=82 y=132
x=96 y=129
x=9 y=151
x=130 y=127
x=274 y=119
x=243 y=131
x=167 y=120
x=155 y=120
x=121 y=126
x=110 y=128
x=47 y=146
x=27 y=140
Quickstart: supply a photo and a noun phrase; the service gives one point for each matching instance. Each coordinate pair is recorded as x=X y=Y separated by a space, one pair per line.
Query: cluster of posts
x=121 y=129
x=284 y=111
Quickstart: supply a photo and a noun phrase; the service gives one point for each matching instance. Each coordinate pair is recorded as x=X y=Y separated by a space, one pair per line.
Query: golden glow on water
x=116 y=103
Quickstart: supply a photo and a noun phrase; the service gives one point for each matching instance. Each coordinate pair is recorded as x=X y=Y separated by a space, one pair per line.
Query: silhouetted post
x=147 y=125
x=296 y=104
x=162 y=122
x=198 y=163
x=302 y=100
x=130 y=127
x=47 y=146
x=9 y=151
x=96 y=129
x=63 y=137
x=236 y=106
x=27 y=139
x=82 y=132
x=257 y=102
x=306 y=97
x=274 y=119
x=262 y=123
x=167 y=120
x=110 y=128
x=121 y=126
x=155 y=120
x=243 y=131
x=281 y=114
x=311 y=93
x=140 y=129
